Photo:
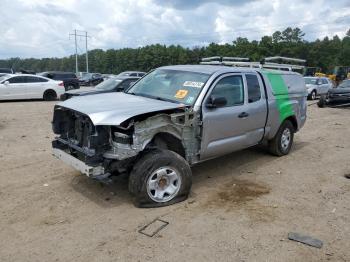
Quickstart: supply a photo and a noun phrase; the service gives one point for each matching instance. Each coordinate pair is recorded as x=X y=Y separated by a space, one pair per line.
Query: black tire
x=313 y=95
x=322 y=102
x=147 y=165
x=50 y=95
x=70 y=87
x=275 y=145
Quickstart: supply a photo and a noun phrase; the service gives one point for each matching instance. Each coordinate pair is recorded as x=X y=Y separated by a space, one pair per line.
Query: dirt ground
x=242 y=206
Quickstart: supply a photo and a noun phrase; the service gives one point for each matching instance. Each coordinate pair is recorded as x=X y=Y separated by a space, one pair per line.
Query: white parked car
x=317 y=86
x=29 y=87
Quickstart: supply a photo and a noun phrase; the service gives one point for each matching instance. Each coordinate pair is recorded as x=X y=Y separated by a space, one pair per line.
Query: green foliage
x=326 y=53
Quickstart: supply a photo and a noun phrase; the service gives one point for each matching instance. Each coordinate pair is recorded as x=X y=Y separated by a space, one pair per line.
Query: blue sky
x=40 y=28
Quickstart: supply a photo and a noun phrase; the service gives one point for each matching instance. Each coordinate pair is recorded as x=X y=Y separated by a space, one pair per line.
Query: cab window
x=230 y=87
x=254 y=93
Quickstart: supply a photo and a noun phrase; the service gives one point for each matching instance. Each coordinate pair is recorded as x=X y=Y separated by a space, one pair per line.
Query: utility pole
x=76 y=49
x=87 y=57
x=76 y=52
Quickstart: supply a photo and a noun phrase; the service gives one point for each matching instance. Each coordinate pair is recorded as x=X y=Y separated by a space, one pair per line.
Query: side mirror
x=6 y=82
x=215 y=102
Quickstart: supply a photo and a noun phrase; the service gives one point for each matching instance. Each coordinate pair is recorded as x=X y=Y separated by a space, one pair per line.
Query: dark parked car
x=7 y=71
x=339 y=96
x=114 y=84
x=91 y=79
x=69 y=79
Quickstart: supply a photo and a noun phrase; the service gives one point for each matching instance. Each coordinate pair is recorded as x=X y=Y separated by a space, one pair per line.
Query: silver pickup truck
x=173 y=118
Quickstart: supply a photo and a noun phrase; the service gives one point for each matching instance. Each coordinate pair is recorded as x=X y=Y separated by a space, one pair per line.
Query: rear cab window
x=253 y=87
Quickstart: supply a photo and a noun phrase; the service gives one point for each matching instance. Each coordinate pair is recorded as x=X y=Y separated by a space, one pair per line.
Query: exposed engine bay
x=113 y=149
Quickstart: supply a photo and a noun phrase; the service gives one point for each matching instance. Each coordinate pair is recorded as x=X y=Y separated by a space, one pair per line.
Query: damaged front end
x=99 y=151
x=80 y=143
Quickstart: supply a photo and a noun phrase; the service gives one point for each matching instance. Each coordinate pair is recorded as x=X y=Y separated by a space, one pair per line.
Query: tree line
x=325 y=53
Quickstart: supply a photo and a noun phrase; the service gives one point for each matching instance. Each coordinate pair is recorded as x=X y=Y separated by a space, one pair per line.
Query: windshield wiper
x=165 y=99
x=155 y=97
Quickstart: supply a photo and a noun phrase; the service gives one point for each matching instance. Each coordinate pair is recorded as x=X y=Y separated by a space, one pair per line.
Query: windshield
x=310 y=81
x=171 y=85
x=108 y=84
x=345 y=84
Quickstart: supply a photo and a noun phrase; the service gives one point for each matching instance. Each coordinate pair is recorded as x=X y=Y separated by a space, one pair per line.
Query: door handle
x=243 y=115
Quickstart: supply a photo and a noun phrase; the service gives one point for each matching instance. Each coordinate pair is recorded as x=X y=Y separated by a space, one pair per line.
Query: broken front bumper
x=90 y=171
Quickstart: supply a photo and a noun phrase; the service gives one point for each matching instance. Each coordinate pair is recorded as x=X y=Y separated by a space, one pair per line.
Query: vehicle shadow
x=231 y=165
x=104 y=195
x=237 y=163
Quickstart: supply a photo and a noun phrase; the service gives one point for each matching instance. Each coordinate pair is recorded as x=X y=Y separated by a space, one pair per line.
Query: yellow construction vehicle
x=313 y=71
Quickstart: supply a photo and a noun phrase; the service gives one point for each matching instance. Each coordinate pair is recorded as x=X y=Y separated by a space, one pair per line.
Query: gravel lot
x=241 y=209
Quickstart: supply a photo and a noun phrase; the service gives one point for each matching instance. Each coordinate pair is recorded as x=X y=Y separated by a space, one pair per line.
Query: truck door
x=237 y=124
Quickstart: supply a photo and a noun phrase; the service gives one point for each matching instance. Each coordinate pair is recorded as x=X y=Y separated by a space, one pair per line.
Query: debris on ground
x=154 y=227
x=307 y=240
x=45 y=184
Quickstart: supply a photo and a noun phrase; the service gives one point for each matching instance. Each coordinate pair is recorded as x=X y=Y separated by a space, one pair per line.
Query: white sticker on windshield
x=193 y=84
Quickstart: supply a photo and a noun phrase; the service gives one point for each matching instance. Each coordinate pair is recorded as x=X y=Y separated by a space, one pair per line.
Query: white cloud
x=40 y=28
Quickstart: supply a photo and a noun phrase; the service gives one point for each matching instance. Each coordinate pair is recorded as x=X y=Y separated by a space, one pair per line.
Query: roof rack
x=283 y=62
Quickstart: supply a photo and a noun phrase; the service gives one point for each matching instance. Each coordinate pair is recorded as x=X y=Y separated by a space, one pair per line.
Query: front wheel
x=281 y=144
x=313 y=95
x=160 y=178
x=322 y=102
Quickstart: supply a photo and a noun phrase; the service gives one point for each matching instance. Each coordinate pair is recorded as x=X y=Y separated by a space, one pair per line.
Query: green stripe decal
x=280 y=91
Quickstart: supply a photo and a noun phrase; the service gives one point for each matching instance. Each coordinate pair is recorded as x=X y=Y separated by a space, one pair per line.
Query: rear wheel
x=50 y=95
x=160 y=178
x=282 y=142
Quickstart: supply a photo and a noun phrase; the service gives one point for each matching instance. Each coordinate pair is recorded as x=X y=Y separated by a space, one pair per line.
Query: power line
x=85 y=34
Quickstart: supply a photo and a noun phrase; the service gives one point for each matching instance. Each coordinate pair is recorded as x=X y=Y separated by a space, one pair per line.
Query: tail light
x=61 y=84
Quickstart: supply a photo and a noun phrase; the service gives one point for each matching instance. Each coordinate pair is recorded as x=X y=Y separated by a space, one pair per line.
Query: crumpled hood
x=115 y=108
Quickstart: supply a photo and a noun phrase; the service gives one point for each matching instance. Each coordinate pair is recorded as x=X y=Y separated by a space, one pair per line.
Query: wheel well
x=50 y=90
x=294 y=122
x=170 y=142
